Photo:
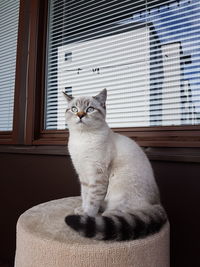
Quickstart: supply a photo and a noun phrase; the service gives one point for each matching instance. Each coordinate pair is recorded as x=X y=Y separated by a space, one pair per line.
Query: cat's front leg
x=84 y=194
x=96 y=194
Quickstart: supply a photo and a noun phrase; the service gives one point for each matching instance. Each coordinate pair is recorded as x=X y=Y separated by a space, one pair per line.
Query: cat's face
x=86 y=112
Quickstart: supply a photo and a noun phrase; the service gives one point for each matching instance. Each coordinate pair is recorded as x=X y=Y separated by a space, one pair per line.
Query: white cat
x=120 y=198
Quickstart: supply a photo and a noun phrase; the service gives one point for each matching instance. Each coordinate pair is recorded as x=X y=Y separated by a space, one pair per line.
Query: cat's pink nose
x=81 y=114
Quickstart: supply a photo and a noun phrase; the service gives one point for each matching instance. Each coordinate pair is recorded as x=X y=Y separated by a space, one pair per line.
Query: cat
x=120 y=198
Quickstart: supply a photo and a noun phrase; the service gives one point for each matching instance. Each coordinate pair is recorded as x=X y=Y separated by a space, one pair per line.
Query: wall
x=26 y=180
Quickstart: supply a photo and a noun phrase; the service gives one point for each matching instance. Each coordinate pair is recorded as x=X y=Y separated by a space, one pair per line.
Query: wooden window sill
x=154 y=153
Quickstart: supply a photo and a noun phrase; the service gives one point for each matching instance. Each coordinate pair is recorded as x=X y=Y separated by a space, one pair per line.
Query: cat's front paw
x=91 y=211
x=79 y=211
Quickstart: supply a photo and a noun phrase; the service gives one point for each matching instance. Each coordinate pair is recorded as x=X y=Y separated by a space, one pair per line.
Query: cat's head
x=86 y=112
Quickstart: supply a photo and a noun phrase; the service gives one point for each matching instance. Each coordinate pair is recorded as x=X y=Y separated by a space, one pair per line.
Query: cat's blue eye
x=90 y=109
x=74 y=109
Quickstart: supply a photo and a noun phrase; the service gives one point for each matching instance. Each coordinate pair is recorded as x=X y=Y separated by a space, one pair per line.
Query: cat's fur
x=115 y=176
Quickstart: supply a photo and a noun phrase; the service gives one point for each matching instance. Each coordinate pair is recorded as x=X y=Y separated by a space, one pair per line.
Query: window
x=9 y=13
x=146 y=53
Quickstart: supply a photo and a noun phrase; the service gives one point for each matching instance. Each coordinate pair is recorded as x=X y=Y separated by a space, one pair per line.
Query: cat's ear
x=69 y=98
x=101 y=97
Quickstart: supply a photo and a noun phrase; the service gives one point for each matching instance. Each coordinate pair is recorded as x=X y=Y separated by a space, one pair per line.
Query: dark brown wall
x=180 y=190
x=26 y=180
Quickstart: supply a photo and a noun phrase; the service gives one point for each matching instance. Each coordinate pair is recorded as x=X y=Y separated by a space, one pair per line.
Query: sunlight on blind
x=145 y=53
x=9 y=12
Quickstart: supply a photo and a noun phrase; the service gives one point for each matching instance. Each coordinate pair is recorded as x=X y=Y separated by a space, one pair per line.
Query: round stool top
x=46 y=221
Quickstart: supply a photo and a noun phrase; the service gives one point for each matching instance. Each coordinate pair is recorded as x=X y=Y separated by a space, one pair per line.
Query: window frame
x=30 y=93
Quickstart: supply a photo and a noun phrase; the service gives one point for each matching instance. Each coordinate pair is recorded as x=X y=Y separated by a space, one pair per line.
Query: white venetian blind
x=9 y=13
x=146 y=53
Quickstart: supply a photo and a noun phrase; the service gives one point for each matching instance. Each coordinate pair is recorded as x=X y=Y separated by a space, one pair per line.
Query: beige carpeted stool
x=44 y=240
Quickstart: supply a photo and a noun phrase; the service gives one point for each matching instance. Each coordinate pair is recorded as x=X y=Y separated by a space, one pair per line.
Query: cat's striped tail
x=138 y=224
